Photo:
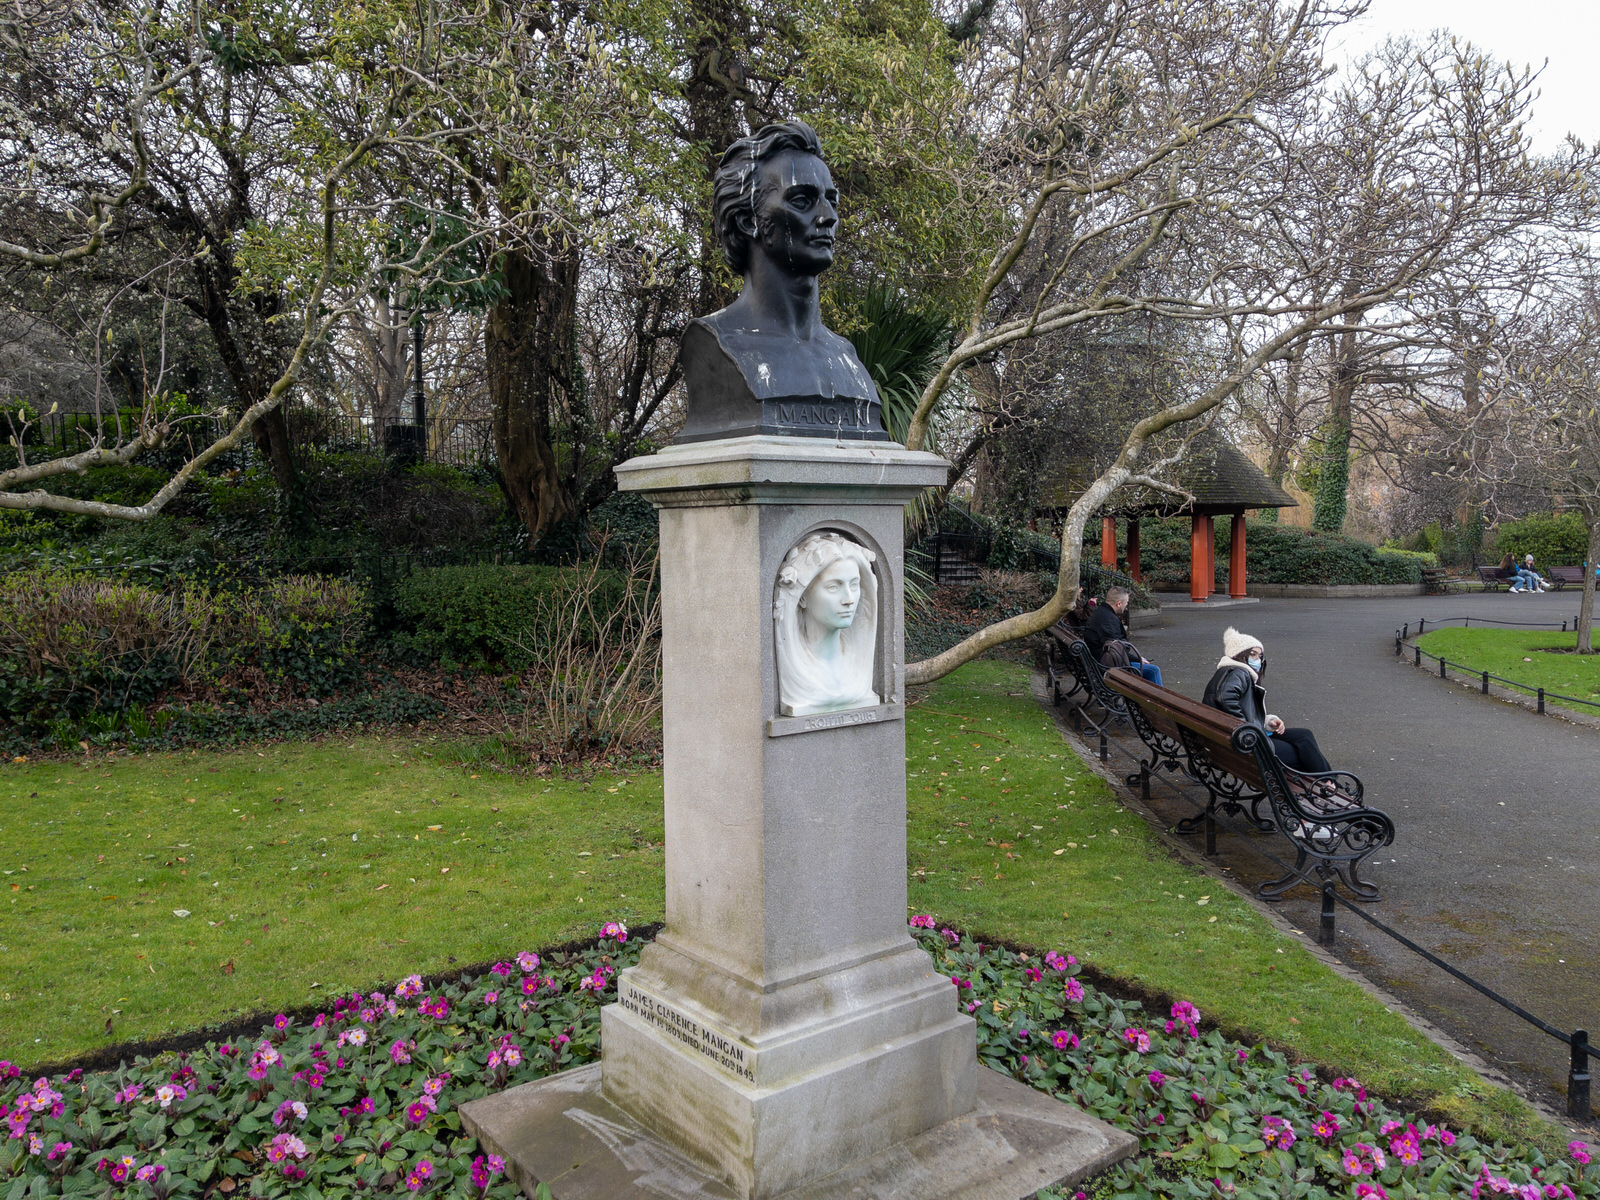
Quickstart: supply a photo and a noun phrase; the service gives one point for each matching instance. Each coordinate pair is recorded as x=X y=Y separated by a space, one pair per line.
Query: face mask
x=1255 y=662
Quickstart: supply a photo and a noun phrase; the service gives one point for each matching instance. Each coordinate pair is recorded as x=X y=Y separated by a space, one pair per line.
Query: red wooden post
x=1199 y=560
x=1133 y=549
x=1236 y=557
x=1108 y=542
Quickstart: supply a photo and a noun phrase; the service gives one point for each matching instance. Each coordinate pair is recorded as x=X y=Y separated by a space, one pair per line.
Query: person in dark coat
x=1236 y=689
x=1105 y=625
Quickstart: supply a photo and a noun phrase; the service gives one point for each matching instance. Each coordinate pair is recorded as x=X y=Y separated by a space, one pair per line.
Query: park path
x=1496 y=860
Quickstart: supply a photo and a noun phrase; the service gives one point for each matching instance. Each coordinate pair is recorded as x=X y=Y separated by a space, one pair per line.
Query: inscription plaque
x=725 y=1052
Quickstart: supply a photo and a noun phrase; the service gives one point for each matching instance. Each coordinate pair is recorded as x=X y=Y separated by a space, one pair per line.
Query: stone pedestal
x=783 y=1030
x=783 y=1023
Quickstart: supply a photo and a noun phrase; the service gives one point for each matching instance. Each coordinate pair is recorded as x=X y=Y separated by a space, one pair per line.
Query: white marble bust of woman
x=826 y=613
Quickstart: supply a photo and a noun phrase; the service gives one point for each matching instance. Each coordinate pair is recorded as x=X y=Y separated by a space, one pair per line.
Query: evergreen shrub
x=1554 y=539
x=489 y=613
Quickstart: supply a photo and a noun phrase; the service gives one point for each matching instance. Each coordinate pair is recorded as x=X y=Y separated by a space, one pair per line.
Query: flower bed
x=363 y=1098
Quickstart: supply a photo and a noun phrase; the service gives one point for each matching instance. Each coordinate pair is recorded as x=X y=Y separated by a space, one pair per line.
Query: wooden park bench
x=1491 y=581
x=1560 y=577
x=1324 y=815
x=1435 y=580
x=1071 y=659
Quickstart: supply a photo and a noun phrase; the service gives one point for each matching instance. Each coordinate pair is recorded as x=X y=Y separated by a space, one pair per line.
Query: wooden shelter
x=1223 y=482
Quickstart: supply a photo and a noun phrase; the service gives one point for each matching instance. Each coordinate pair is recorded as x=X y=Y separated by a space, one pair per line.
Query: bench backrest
x=1210 y=726
x=1566 y=574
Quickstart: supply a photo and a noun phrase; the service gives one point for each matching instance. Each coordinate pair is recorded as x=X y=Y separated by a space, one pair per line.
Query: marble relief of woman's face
x=834 y=595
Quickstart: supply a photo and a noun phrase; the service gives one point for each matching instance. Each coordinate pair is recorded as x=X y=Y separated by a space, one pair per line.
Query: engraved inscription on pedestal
x=723 y=1051
x=825 y=613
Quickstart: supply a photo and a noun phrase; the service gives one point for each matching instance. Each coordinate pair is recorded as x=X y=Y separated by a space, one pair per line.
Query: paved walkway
x=1496 y=861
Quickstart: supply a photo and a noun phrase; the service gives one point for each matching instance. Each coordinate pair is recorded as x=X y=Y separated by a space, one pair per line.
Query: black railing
x=1580 y=1050
x=1483 y=678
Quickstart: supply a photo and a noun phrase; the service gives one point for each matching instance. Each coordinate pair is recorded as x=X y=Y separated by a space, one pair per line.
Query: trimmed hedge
x=491 y=614
x=1275 y=553
x=1554 y=539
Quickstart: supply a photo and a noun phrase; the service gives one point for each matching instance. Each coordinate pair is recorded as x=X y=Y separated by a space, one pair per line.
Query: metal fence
x=1402 y=636
x=458 y=441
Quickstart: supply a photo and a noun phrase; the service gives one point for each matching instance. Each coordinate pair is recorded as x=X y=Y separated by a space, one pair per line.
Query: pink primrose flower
x=408 y=987
x=17 y=1122
x=1276 y=1132
x=1241 y=1054
x=149 y=1173
x=433 y=1087
x=121 y=1168
x=280 y=1022
x=128 y=1094
x=530 y=985
x=1054 y=961
x=1137 y=1038
x=595 y=982
x=614 y=929
x=501 y=968
x=1034 y=974
x=353 y=1037
x=418 y=1111
x=59 y=1150
x=419 y=1174
x=1157 y=1079
x=951 y=937
x=1579 y=1151
x=528 y=961
x=921 y=921
x=1327 y=1126
x=169 y=1094
x=1074 y=991
x=1370 y=1191
x=1061 y=1039
x=479 y=1173
x=559 y=1040
x=960 y=982
x=510 y=1052
x=491 y=998
x=399 y=1052
x=1185 y=1012
x=7 y=1071
x=35 y=1143
x=496 y=1164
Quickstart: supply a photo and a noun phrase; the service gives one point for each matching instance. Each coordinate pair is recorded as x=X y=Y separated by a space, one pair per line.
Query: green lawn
x=301 y=869
x=1522 y=655
x=309 y=868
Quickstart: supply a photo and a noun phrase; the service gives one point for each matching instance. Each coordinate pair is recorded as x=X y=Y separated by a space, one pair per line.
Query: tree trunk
x=253 y=366
x=1586 y=610
x=714 y=121
x=529 y=347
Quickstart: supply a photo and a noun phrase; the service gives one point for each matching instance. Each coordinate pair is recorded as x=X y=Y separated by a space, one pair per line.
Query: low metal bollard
x=1441 y=668
x=1541 y=699
x=1486 y=683
x=1418 y=649
x=1325 y=930
x=1578 y=1076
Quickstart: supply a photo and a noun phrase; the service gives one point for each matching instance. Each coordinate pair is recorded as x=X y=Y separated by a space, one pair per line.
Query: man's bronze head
x=773 y=190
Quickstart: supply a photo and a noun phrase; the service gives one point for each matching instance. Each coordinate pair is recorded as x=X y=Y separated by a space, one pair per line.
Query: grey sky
x=1525 y=32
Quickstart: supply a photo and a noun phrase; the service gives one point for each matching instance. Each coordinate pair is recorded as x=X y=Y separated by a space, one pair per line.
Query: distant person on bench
x=1108 y=640
x=1236 y=689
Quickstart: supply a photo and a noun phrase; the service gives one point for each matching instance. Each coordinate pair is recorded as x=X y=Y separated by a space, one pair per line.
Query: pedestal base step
x=562 y=1132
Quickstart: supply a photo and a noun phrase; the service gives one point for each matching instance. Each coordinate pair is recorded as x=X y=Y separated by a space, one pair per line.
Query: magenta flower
x=559 y=1041
x=408 y=987
x=1137 y=1038
x=1074 y=991
x=1327 y=1127
x=501 y=968
x=1578 y=1150
x=169 y=1094
x=59 y=1150
x=951 y=937
x=1241 y=1053
x=921 y=921
x=121 y=1168
x=1370 y=1191
x=1276 y=1132
x=128 y=1094
x=419 y=1174
x=418 y=1111
x=1061 y=1039
x=614 y=929
x=528 y=961
x=149 y=1172
x=17 y=1122
x=280 y=1022
x=491 y=998
x=398 y=1051
x=1034 y=974
x=1157 y=1079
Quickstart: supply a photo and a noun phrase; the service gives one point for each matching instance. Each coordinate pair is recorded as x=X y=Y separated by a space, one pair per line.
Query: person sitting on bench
x=1108 y=640
x=1236 y=689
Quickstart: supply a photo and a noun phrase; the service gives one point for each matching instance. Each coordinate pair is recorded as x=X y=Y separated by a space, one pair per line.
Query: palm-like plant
x=901 y=344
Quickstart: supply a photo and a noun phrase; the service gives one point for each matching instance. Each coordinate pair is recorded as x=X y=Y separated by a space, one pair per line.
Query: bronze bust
x=766 y=363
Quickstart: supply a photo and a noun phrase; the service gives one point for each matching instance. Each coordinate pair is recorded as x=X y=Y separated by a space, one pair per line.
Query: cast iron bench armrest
x=1491 y=580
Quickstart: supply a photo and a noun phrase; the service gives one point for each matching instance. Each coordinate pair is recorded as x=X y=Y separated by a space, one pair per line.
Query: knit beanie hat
x=1235 y=643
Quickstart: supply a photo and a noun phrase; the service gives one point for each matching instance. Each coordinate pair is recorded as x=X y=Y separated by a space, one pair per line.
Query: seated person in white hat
x=1236 y=689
